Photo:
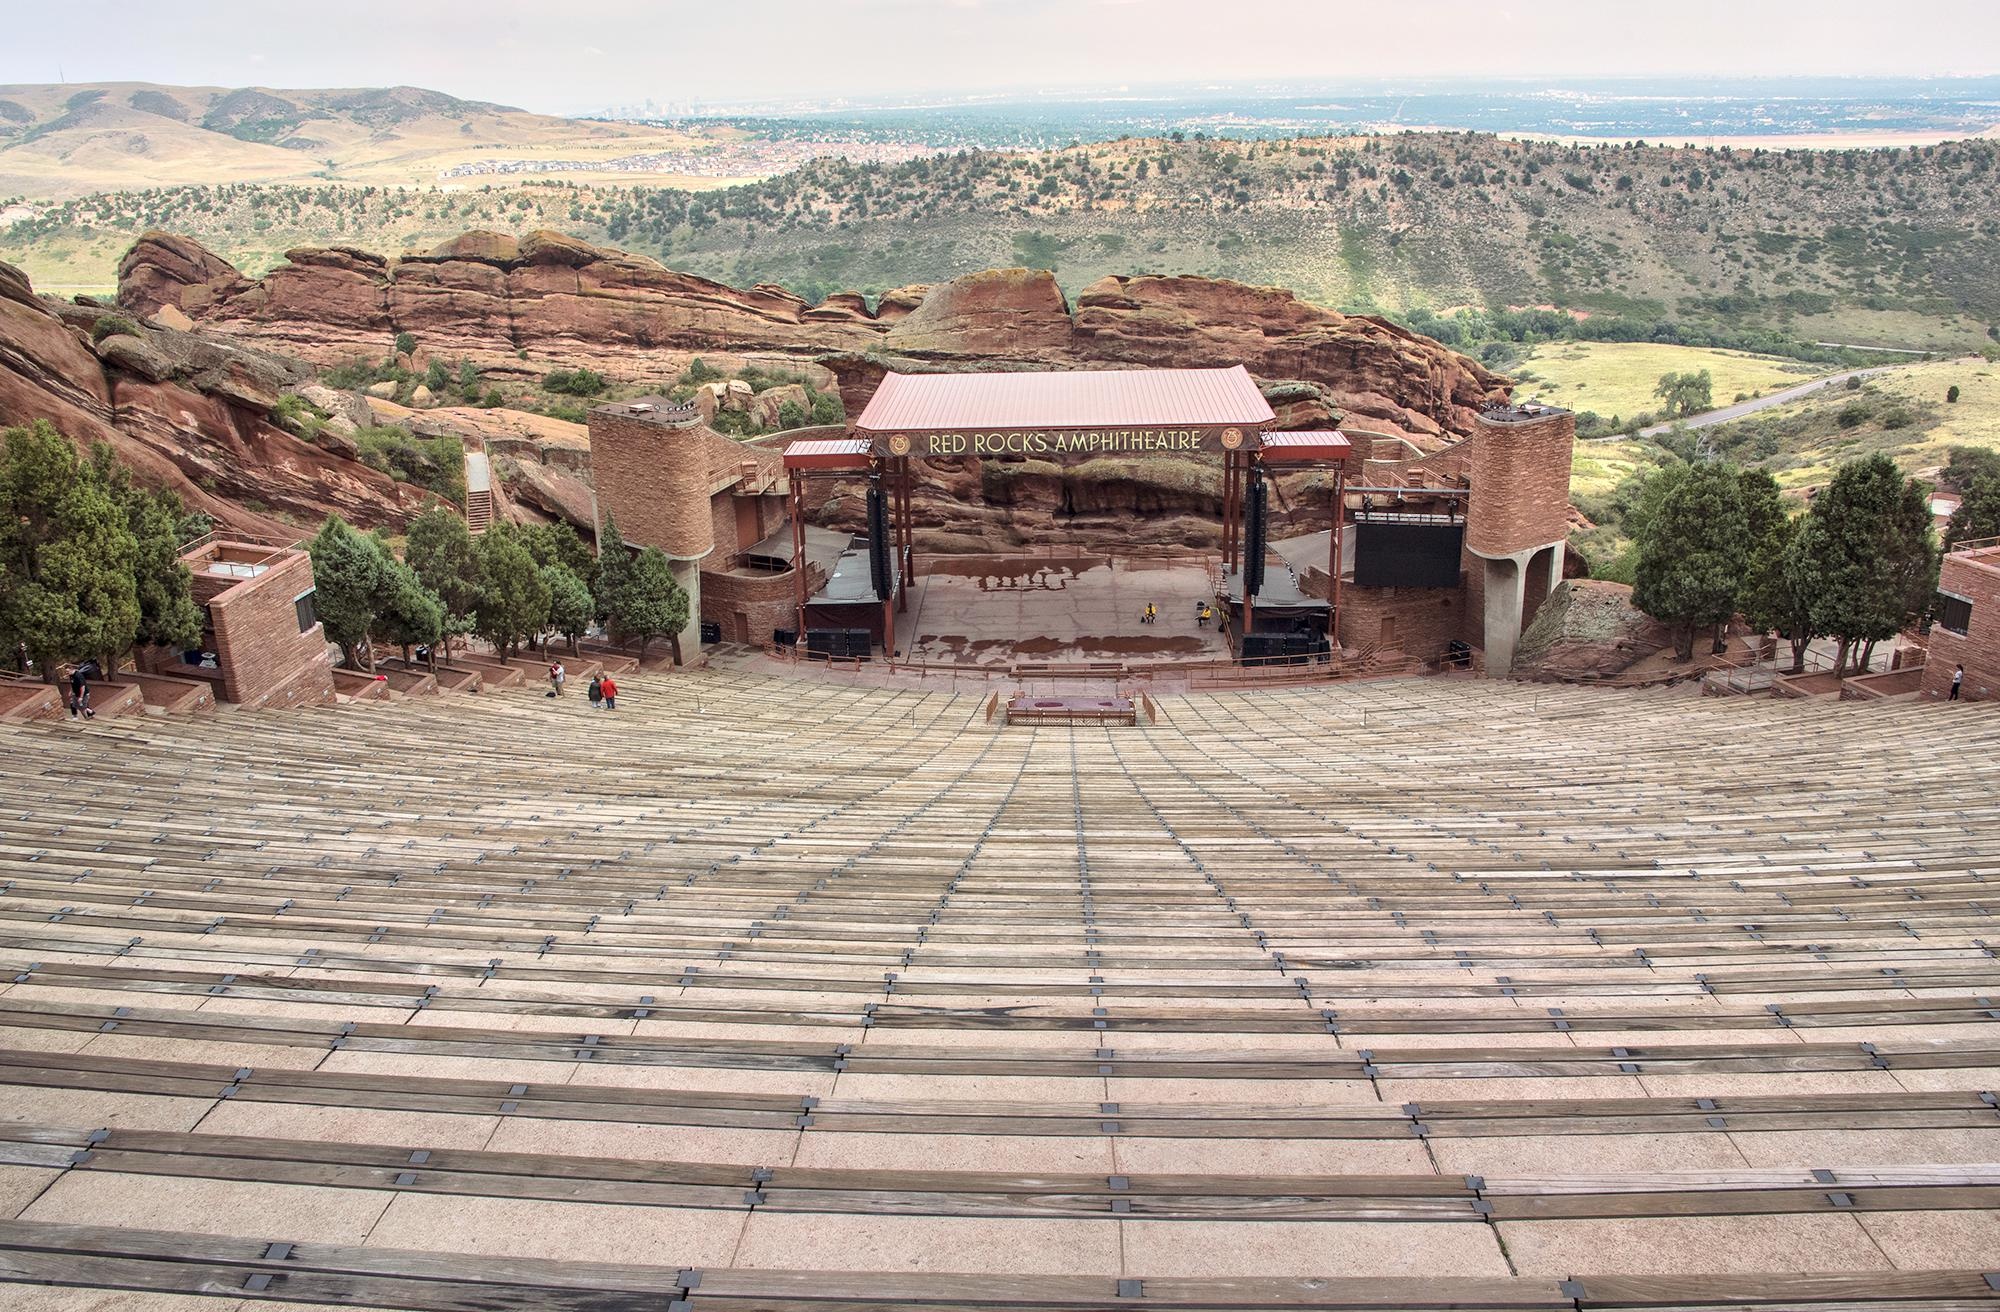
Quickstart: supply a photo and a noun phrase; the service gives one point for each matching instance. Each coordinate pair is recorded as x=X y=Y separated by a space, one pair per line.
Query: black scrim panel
x=1392 y=555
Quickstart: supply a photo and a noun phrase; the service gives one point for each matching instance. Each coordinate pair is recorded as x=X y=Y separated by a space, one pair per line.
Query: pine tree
x=513 y=599
x=348 y=575
x=650 y=603
x=407 y=612
x=168 y=616
x=614 y=567
x=439 y=549
x=1872 y=553
x=67 y=555
x=1978 y=516
x=571 y=607
x=1693 y=555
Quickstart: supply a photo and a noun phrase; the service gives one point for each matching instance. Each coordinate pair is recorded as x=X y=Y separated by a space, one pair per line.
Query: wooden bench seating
x=766 y=994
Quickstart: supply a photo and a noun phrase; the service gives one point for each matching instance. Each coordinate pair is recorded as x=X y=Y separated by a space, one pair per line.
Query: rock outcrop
x=183 y=412
x=520 y=306
x=1587 y=629
x=489 y=297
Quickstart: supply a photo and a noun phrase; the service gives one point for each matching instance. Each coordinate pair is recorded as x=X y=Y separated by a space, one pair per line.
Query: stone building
x=258 y=626
x=715 y=506
x=1966 y=629
x=1505 y=489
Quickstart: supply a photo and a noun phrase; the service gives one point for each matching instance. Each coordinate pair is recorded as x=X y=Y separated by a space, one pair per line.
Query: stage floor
x=1073 y=607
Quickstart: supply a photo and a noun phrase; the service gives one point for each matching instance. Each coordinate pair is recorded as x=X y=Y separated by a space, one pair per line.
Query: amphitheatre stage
x=768 y=995
x=1062 y=606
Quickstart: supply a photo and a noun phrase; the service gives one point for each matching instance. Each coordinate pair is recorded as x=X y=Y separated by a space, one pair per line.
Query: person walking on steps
x=556 y=676
x=79 y=690
x=610 y=689
x=596 y=692
x=1957 y=682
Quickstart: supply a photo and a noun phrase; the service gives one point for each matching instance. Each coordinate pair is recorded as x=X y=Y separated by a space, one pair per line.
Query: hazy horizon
x=626 y=51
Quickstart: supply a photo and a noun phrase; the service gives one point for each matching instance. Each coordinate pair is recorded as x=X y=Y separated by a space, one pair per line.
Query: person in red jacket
x=610 y=693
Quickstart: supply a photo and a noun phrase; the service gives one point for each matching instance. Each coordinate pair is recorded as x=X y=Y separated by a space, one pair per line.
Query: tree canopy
x=349 y=573
x=68 y=556
x=644 y=601
x=513 y=599
x=1871 y=556
x=1685 y=394
x=1695 y=550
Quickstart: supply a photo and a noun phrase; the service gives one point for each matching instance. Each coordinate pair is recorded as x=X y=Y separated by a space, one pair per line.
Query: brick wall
x=265 y=660
x=654 y=479
x=1975 y=576
x=1520 y=484
x=749 y=606
x=1425 y=619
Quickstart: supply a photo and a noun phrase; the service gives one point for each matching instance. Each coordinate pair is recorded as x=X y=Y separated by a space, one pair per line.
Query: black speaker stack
x=1256 y=531
x=881 y=570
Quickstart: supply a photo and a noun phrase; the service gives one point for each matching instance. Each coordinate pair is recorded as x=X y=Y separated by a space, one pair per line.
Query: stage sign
x=1407 y=555
x=1049 y=443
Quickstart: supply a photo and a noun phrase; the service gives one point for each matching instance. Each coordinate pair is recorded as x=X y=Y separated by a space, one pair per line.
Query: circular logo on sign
x=1232 y=438
x=899 y=444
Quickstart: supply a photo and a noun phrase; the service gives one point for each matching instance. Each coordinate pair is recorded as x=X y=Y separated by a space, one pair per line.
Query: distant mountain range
x=70 y=140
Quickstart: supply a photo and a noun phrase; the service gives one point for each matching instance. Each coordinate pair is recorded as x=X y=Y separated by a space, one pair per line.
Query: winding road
x=1728 y=412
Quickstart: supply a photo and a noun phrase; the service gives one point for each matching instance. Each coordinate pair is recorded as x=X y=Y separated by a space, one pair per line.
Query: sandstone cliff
x=490 y=298
x=184 y=412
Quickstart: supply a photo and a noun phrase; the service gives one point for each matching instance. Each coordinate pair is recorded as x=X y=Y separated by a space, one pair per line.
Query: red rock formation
x=192 y=418
x=486 y=296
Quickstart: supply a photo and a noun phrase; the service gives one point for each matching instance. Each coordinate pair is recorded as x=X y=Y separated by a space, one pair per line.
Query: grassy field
x=1902 y=413
x=1617 y=378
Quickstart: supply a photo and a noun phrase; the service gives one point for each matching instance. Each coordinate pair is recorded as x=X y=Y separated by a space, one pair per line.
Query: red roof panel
x=1083 y=398
x=829 y=453
x=1322 y=445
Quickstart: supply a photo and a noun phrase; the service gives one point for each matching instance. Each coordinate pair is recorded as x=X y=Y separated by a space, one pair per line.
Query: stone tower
x=1518 y=519
x=649 y=463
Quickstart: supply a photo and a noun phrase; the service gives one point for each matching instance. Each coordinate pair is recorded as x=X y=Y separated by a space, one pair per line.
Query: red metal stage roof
x=1084 y=398
x=1307 y=446
x=829 y=453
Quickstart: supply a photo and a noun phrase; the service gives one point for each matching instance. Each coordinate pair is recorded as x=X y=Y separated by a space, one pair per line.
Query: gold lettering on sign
x=1087 y=441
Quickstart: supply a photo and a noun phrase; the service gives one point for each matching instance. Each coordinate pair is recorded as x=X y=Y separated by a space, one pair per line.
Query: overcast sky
x=585 y=54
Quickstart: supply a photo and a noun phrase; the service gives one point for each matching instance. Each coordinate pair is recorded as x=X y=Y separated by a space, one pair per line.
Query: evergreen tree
x=67 y=555
x=168 y=616
x=1692 y=558
x=1978 y=516
x=439 y=549
x=558 y=544
x=513 y=599
x=1772 y=600
x=1872 y=553
x=348 y=575
x=649 y=603
x=571 y=607
x=406 y=612
x=614 y=567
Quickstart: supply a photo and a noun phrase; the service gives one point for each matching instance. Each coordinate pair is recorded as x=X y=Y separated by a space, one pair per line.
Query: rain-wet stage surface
x=1073 y=606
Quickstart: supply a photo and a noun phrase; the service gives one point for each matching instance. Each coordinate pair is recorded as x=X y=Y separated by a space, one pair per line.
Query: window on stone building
x=303 y=604
x=1953 y=612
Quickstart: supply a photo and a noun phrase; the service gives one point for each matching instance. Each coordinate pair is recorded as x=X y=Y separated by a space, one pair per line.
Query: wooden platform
x=1033 y=709
x=1406 y=994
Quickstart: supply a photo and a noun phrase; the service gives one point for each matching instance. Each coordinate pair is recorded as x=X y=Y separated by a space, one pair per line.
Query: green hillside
x=1880 y=247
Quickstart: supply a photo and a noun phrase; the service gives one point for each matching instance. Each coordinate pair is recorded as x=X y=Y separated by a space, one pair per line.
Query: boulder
x=384 y=389
x=421 y=396
x=135 y=356
x=486 y=247
x=163 y=270
x=765 y=405
x=1016 y=313
x=1587 y=629
x=349 y=408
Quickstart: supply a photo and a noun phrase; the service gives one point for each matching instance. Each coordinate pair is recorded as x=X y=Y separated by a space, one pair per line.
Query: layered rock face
x=521 y=306
x=184 y=412
x=488 y=297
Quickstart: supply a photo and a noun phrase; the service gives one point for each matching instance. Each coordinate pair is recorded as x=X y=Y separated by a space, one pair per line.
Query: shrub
x=113 y=325
x=574 y=382
x=299 y=416
x=1853 y=415
x=699 y=372
x=1898 y=417
x=434 y=463
x=1951 y=394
